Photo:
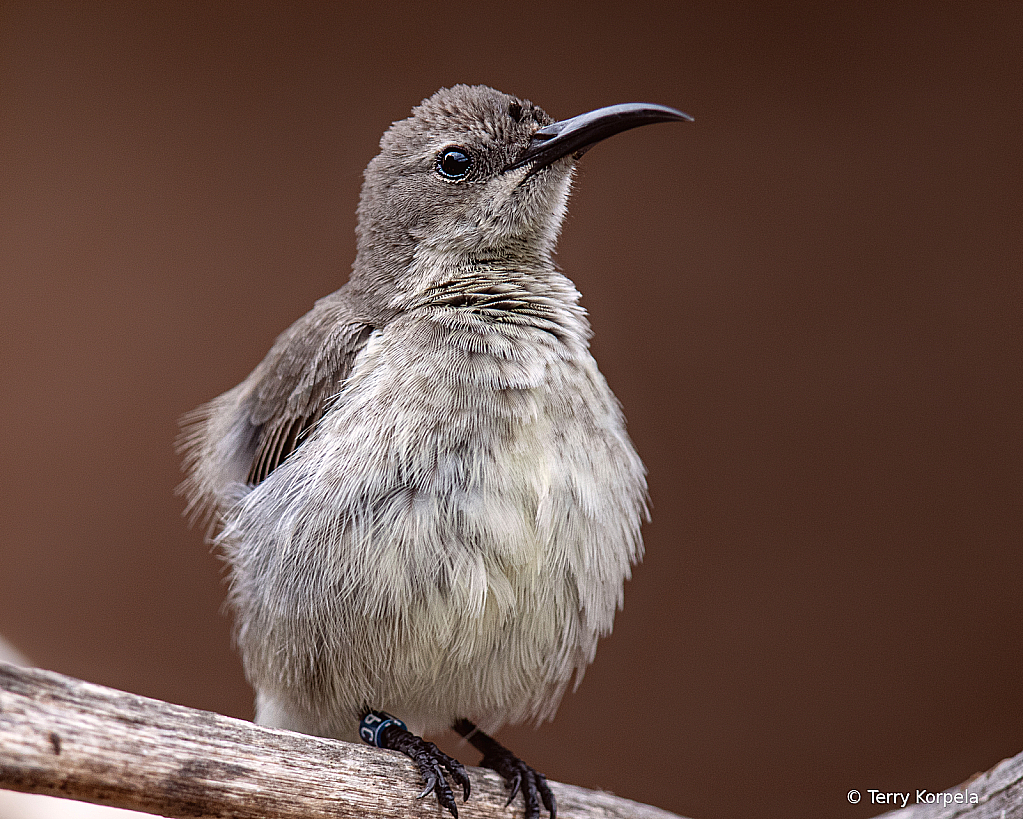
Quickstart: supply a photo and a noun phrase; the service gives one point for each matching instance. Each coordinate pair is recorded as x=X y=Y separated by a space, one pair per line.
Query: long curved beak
x=578 y=134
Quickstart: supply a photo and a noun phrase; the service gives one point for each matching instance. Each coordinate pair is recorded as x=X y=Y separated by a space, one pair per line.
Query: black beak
x=577 y=134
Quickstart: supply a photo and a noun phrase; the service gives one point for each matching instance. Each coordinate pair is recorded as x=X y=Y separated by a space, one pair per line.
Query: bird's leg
x=381 y=730
x=515 y=772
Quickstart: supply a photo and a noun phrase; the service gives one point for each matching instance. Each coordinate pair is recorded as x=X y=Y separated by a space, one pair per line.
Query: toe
x=431 y=783
x=547 y=796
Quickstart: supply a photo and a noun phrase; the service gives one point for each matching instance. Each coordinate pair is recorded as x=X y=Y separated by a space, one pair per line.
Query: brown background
x=808 y=303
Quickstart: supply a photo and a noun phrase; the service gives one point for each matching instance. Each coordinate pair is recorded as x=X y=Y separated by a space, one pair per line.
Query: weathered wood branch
x=995 y=794
x=64 y=737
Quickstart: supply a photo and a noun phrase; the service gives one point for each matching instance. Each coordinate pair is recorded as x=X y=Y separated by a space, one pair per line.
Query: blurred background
x=808 y=303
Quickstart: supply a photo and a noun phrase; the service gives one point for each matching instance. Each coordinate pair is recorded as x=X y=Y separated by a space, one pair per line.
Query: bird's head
x=475 y=174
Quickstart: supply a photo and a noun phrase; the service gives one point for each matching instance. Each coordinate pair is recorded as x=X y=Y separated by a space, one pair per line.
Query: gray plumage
x=425 y=491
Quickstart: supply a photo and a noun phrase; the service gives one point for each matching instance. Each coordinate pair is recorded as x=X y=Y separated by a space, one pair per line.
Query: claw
x=431 y=783
x=447 y=800
x=459 y=775
x=549 y=801
x=515 y=784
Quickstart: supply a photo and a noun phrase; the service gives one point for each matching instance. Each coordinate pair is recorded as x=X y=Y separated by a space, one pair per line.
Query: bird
x=425 y=492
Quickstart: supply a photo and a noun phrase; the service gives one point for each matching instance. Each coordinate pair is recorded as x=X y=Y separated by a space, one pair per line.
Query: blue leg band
x=372 y=726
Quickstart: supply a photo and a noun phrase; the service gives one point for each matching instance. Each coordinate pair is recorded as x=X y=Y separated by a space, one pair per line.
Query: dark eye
x=454 y=163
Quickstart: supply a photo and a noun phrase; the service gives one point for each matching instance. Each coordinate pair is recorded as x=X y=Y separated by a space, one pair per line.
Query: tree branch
x=995 y=794
x=64 y=737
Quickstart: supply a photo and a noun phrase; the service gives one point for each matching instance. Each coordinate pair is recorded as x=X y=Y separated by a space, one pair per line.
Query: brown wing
x=243 y=435
x=277 y=443
x=302 y=372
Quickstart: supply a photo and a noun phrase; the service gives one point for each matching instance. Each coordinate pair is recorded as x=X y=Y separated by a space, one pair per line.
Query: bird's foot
x=515 y=772
x=384 y=731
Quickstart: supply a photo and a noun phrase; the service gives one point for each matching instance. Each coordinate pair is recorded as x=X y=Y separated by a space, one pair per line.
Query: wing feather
x=241 y=437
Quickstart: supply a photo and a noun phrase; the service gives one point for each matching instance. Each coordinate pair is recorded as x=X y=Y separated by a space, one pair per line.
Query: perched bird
x=425 y=491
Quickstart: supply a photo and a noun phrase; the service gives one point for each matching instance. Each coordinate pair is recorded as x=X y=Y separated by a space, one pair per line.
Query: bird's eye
x=453 y=163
